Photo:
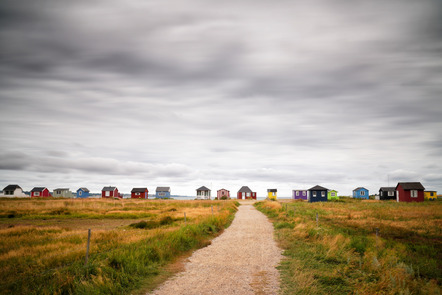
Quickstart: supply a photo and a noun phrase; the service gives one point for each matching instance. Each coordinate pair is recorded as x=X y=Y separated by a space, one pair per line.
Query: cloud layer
x=191 y=93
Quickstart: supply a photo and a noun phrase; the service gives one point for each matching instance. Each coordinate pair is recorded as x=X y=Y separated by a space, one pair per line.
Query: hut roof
x=245 y=189
x=203 y=188
x=108 y=188
x=318 y=188
x=12 y=187
x=411 y=185
x=138 y=190
x=163 y=189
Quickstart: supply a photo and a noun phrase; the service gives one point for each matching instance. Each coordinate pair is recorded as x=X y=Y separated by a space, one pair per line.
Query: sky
x=186 y=93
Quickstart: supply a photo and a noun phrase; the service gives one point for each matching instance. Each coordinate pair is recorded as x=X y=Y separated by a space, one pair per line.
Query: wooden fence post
x=185 y=219
x=317 y=220
x=212 y=209
x=87 y=246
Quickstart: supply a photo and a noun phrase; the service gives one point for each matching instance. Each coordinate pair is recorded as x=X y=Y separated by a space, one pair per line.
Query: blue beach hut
x=82 y=192
x=360 y=193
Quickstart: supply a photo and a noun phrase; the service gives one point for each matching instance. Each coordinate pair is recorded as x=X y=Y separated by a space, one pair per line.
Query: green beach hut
x=332 y=195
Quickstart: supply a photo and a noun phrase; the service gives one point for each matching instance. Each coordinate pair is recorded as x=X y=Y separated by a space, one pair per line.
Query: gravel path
x=240 y=261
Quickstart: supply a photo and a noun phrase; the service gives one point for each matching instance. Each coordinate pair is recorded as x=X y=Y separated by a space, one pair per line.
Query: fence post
x=87 y=247
x=317 y=220
x=185 y=219
x=377 y=232
x=212 y=209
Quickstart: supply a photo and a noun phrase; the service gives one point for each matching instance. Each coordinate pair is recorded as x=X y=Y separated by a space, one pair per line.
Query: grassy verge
x=39 y=257
x=341 y=253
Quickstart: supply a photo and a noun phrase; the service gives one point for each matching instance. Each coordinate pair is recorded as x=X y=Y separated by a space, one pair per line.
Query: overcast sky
x=185 y=93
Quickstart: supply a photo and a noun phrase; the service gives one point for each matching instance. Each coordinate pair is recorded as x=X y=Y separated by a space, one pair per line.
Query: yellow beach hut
x=271 y=193
x=430 y=195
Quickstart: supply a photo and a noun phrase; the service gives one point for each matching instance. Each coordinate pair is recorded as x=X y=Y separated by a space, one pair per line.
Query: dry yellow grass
x=44 y=234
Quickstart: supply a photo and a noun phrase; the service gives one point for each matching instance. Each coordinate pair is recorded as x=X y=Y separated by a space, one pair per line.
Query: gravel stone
x=240 y=261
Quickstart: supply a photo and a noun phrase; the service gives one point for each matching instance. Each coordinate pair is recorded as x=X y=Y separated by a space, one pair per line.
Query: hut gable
x=40 y=192
x=317 y=194
x=246 y=193
x=223 y=194
x=62 y=192
x=410 y=192
x=139 y=193
x=13 y=190
x=300 y=194
x=162 y=192
x=271 y=193
x=82 y=192
x=110 y=192
x=203 y=193
x=387 y=193
x=332 y=195
x=360 y=193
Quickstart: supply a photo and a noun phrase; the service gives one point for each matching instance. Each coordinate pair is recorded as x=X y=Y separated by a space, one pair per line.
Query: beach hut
x=360 y=193
x=271 y=193
x=62 y=193
x=332 y=195
x=223 y=194
x=300 y=194
x=410 y=192
x=37 y=192
x=387 y=193
x=162 y=192
x=317 y=194
x=203 y=193
x=246 y=193
x=13 y=191
x=430 y=195
x=82 y=192
x=110 y=192
x=139 y=193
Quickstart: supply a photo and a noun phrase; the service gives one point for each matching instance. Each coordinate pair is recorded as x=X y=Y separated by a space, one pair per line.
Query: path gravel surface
x=240 y=261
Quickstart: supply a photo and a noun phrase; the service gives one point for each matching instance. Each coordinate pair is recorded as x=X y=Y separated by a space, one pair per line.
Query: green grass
x=341 y=254
x=38 y=257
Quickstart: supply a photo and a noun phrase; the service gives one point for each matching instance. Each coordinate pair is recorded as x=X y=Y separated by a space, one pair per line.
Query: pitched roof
x=245 y=189
x=108 y=188
x=358 y=188
x=12 y=187
x=163 y=189
x=272 y=190
x=222 y=189
x=38 y=189
x=318 y=188
x=388 y=189
x=138 y=190
x=203 y=188
x=83 y=189
x=61 y=189
x=411 y=185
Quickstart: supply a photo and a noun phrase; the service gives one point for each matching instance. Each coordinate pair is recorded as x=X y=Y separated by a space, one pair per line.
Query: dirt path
x=240 y=261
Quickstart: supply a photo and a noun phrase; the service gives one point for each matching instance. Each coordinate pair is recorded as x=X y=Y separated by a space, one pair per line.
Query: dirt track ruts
x=240 y=261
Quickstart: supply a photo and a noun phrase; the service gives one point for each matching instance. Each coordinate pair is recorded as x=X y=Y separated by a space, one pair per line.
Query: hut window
x=247 y=194
x=314 y=194
x=413 y=193
x=390 y=193
x=37 y=194
x=322 y=194
x=80 y=193
x=362 y=193
x=297 y=193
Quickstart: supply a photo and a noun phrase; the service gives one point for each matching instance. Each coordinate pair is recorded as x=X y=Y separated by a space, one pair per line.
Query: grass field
x=43 y=242
x=340 y=252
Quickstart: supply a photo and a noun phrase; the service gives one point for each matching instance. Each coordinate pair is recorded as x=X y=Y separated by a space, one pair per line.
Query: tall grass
x=39 y=257
x=342 y=254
